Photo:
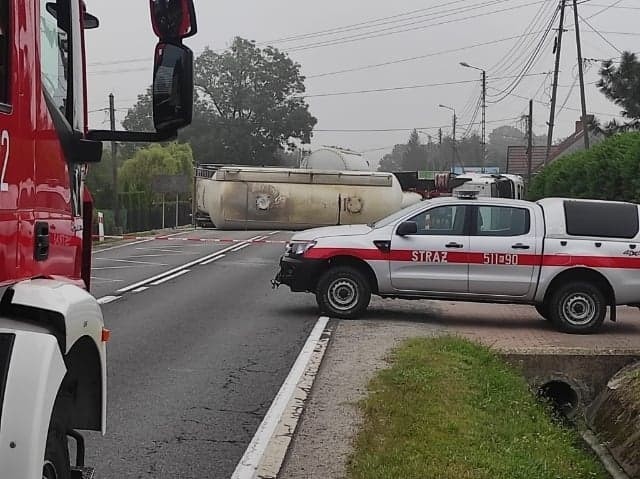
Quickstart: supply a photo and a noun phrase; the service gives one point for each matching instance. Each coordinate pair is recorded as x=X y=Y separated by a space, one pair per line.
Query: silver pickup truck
x=571 y=259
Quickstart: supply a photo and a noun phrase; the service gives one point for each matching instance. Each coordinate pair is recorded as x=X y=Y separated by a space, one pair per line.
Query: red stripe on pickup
x=373 y=254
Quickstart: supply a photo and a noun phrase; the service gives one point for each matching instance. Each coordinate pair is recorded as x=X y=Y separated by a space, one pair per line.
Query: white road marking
x=273 y=233
x=107 y=280
x=209 y=261
x=253 y=459
x=140 y=290
x=241 y=247
x=114 y=267
x=139 y=242
x=132 y=262
x=108 y=299
x=144 y=282
x=169 y=278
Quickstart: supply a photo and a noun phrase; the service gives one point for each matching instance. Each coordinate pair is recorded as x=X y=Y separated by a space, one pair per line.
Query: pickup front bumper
x=301 y=275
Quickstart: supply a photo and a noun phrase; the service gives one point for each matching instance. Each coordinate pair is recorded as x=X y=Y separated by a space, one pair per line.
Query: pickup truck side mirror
x=407 y=228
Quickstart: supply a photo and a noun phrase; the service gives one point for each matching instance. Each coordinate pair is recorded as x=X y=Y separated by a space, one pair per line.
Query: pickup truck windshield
x=396 y=216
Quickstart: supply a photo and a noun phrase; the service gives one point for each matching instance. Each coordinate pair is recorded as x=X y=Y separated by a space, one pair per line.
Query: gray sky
x=125 y=35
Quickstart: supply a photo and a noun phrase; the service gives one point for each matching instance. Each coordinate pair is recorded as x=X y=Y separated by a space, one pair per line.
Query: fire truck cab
x=52 y=334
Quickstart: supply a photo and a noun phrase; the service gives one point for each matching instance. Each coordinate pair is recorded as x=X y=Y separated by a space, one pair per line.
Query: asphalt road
x=194 y=361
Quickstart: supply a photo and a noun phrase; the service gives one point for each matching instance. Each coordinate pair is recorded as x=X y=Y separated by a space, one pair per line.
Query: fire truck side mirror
x=172 y=87
x=173 y=20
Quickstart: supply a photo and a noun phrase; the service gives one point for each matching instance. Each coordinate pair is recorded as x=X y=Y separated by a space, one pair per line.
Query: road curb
x=266 y=452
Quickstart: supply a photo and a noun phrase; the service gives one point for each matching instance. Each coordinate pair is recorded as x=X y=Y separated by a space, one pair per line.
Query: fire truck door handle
x=520 y=246
x=453 y=245
x=41 y=247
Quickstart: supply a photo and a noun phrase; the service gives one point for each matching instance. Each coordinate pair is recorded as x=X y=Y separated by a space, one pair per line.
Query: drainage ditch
x=598 y=393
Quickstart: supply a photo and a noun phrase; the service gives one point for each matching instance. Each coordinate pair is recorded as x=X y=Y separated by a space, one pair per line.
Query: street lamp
x=484 y=108
x=455 y=120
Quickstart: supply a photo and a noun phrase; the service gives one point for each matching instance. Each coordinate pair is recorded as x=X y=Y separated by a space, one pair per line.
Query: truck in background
x=434 y=184
x=52 y=334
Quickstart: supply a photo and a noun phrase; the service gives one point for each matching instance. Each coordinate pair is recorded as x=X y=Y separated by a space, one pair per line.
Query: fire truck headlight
x=298 y=248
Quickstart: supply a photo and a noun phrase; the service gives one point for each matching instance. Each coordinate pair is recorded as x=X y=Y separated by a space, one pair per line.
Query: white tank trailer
x=240 y=197
x=335 y=159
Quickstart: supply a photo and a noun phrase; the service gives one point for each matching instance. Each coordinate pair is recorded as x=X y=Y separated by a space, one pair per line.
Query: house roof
x=517 y=163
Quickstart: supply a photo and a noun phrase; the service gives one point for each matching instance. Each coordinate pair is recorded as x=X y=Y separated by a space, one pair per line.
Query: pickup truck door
x=504 y=255
x=435 y=259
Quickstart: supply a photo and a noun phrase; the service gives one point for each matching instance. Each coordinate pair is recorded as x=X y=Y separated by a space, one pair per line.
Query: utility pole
x=484 y=118
x=581 y=73
x=555 y=83
x=455 y=145
x=114 y=162
x=529 y=142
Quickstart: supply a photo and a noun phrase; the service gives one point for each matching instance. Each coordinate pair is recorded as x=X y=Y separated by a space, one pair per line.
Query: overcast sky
x=120 y=59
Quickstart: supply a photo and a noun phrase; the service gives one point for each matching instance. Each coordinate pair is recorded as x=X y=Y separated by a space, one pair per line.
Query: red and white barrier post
x=101 y=226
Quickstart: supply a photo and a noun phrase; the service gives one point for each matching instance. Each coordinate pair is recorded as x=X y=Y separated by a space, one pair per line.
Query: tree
x=256 y=96
x=248 y=105
x=621 y=85
x=393 y=161
x=415 y=158
x=136 y=173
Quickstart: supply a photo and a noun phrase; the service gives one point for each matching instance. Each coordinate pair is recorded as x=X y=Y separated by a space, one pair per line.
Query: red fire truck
x=52 y=335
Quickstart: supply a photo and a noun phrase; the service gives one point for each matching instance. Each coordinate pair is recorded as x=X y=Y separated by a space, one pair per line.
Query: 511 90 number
x=497 y=258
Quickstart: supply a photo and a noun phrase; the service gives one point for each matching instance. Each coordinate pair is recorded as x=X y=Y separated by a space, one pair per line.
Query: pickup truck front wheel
x=578 y=307
x=343 y=292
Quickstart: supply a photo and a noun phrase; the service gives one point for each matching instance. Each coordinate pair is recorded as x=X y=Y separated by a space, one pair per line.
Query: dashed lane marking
x=212 y=260
x=108 y=299
x=169 y=278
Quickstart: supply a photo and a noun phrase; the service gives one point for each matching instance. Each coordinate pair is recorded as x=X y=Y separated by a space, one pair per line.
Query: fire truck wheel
x=578 y=307
x=56 y=456
x=343 y=292
x=543 y=310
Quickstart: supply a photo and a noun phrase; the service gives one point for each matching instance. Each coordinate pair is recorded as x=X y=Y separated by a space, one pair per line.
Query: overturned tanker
x=279 y=198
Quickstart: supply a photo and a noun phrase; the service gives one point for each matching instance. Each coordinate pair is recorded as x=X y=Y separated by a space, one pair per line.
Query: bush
x=608 y=171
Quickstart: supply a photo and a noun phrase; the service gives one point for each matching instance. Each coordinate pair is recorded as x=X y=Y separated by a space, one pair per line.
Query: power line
x=420 y=57
x=530 y=63
x=600 y=35
x=614 y=4
x=384 y=32
x=513 y=52
x=409 y=87
x=403 y=17
x=381 y=130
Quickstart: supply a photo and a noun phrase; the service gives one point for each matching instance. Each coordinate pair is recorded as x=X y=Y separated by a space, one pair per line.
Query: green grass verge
x=448 y=408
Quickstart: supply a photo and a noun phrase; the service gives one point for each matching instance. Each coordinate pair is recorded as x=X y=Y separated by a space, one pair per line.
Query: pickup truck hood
x=344 y=230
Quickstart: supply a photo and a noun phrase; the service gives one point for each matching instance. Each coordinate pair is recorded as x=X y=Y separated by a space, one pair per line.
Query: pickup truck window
x=502 y=221
x=443 y=220
x=4 y=52
x=603 y=220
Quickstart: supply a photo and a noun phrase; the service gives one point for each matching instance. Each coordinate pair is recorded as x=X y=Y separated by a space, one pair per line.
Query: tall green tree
x=249 y=106
x=257 y=98
x=621 y=85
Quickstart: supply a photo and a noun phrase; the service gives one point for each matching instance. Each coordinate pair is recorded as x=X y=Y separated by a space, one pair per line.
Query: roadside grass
x=448 y=408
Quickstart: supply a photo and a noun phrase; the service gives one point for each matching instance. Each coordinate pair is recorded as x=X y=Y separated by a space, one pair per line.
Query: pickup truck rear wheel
x=343 y=292
x=578 y=307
